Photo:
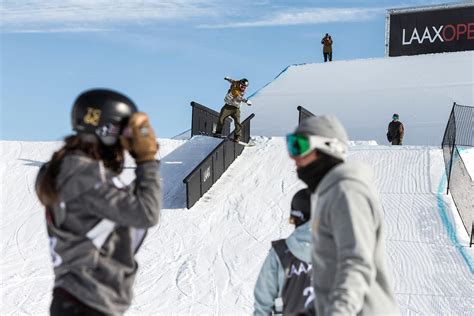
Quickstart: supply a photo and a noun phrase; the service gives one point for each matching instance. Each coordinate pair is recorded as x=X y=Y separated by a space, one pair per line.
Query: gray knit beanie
x=327 y=126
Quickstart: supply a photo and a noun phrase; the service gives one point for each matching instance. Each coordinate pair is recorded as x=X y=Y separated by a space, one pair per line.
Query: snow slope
x=365 y=93
x=467 y=155
x=205 y=260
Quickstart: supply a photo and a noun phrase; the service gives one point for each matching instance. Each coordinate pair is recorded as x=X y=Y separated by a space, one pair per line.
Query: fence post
x=192 y=119
x=454 y=146
x=452 y=149
x=447 y=125
x=472 y=234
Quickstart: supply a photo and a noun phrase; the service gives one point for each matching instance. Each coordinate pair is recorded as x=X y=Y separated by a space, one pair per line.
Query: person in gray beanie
x=350 y=274
x=284 y=282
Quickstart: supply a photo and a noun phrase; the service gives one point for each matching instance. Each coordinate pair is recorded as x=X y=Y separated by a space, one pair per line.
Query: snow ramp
x=206 y=260
x=178 y=164
x=365 y=93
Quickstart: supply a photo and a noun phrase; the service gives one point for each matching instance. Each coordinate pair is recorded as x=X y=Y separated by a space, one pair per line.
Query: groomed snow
x=205 y=260
x=467 y=156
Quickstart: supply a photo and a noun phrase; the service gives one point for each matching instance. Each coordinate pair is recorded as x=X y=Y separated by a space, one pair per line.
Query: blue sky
x=164 y=54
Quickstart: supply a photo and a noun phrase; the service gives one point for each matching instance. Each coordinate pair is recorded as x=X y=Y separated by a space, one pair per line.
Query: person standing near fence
x=95 y=223
x=396 y=131
x=327 y=47
x=350 y=273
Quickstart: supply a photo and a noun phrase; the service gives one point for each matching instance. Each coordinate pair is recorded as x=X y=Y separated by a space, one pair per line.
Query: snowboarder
x=233 y=98
x=95 y=223
x=350 y=273
x=284 y=284
x=396 y=131
x=327 y=47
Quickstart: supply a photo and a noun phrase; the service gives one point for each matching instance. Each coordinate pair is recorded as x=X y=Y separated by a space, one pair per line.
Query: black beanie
x=301 y=207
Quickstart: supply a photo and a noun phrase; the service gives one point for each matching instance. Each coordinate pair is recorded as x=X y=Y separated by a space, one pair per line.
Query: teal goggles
x=301 y=145
x=298 y=145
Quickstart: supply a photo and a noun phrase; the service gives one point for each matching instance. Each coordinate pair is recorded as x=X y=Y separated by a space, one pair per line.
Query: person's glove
x=249 y=103
x=140 y=140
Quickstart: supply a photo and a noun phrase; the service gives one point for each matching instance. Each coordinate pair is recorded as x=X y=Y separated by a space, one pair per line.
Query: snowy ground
x=467 y=155
x=365 y=93
x=205 y=260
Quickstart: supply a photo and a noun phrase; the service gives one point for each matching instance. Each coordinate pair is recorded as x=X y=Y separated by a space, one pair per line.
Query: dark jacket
x=395 y=131
x=97 y=228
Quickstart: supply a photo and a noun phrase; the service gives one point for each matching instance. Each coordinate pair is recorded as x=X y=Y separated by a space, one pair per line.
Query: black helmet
x=102 y=112
x=301 y=207
x=244 y=82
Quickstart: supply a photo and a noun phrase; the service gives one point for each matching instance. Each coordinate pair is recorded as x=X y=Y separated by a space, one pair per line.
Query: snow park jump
x=205 y=253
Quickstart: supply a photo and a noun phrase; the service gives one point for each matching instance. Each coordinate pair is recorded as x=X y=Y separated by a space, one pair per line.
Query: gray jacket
x=269 y=284
x=350 y=275
x=97 y=228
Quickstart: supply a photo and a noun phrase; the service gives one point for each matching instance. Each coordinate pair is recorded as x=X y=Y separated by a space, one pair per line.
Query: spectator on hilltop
x=396 y=130
x=327 y=47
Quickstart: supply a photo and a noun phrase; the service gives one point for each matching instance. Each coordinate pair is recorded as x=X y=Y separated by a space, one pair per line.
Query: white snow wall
x=365 y=93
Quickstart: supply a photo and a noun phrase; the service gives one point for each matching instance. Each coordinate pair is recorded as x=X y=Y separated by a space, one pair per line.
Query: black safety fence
x=458 y=135
x=204 y=121
x=303 y=113
x=201 y=179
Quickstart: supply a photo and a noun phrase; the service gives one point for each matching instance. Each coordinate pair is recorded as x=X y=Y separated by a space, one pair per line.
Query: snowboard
x=249 y=144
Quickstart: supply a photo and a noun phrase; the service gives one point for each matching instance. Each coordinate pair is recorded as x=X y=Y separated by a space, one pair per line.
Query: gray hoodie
x=350 y=275
x=97 y=228
x=270 y=281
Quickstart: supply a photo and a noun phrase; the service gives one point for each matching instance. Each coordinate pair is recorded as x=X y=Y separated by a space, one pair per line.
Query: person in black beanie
x=350 y=275
x=284 y=282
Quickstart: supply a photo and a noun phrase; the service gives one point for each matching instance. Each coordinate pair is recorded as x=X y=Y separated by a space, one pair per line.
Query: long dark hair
x=112 y=156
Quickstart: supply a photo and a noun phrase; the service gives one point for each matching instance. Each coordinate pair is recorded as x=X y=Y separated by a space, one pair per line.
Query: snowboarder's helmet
x=395 y=116
x=244 y=82
x=301 y=207
x=103 y=113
